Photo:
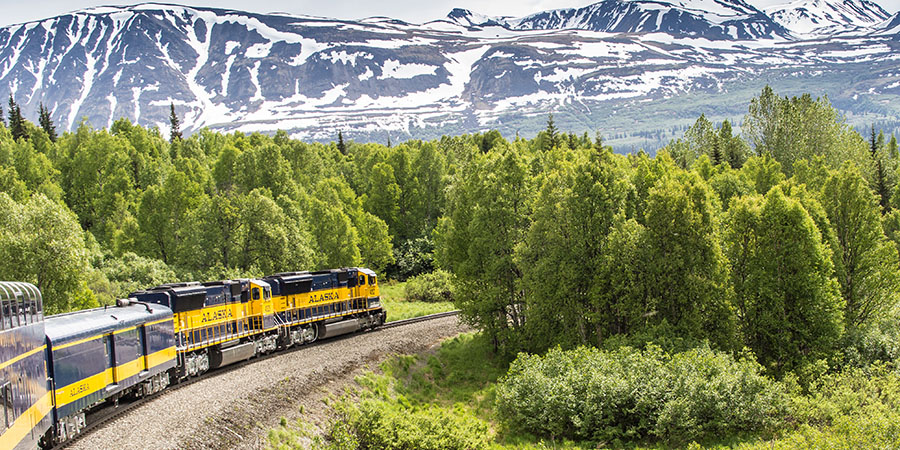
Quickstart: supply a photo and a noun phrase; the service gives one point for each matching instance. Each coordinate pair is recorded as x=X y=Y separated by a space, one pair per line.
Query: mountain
x=638 y=79
x=711 y=19
x=890 y=26
x=824 y=18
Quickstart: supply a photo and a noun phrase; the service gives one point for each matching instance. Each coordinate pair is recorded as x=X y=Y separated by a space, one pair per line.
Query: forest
x=768 y=258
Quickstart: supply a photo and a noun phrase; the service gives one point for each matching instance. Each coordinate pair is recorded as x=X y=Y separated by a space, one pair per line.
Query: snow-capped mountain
x=626 y=73
x=711 y=19
x=823 y=17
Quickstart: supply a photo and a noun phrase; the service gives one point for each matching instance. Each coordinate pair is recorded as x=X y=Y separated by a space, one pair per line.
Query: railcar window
x=14 y=313
x=6 y=393
x=372 y=281
x=255 y=293
x=23 y=310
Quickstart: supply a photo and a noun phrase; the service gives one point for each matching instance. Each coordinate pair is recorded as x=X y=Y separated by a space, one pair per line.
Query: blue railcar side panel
x=80 y=343
x=22 y=361
x=160 y=336
x=77 y=362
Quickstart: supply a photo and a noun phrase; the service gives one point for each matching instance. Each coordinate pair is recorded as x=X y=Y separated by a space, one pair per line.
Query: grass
x=393 y=297
x=851 y=410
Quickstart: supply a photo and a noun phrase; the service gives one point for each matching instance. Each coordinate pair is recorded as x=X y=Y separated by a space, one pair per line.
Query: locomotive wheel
x=310 y=334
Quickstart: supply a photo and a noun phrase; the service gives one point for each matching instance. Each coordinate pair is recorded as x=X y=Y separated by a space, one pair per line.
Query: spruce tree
x=175 y=133
x=2 y=119
x=16 y=122
x=598 y=141
x=881 y=182
x=551 y=138
x=46 y=122
x=716 y=153
x=893 y=149
x=340 y=144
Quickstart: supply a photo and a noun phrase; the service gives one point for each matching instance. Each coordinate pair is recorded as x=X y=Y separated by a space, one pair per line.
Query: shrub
x=630 y=394
x=380 y=424
x=873 y=343
x=412 y=257
x=855 y=408
x=429 y=287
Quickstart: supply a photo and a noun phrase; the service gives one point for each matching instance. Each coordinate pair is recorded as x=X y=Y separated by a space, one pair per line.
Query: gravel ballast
x=234 y=409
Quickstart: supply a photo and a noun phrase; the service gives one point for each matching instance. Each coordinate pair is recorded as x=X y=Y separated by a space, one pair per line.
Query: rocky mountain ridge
x=611 y=66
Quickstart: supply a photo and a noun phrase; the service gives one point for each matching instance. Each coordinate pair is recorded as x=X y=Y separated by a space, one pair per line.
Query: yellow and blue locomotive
x=223 y=322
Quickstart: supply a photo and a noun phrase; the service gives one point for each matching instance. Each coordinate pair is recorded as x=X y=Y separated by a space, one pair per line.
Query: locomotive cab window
x=372 y=281
x=362 y=280
x=255 y=293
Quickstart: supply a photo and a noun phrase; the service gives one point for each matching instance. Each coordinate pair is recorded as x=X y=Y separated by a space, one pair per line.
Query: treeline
x=783 y=241
x=91 y=215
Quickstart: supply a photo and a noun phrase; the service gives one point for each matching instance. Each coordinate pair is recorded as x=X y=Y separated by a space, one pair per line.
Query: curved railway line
x=96 y=419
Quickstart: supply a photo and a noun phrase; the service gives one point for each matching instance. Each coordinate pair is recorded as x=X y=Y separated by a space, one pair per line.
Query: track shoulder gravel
x=234 y=409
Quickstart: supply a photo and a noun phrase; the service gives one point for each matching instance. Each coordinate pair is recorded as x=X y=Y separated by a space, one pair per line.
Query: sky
x=416 y=11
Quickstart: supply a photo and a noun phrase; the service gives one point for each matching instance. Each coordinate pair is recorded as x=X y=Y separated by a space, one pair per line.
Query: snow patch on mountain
x=811 y=18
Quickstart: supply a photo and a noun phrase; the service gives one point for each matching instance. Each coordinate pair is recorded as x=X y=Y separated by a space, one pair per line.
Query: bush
x=873 y=343
x=855 y=408
x=429 y=287
x=380 y=424
x=412 y=257
x=629 y=394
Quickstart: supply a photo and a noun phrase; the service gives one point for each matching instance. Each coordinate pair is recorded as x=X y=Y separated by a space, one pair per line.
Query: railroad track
x=101 y=416
x=400 y=323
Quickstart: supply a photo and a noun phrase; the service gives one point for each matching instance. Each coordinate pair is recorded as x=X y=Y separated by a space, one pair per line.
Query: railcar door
x=110 y=350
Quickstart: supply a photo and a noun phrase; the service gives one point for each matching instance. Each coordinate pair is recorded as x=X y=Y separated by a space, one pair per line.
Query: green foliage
x=686 y=271
x=42 y=243
x=873 y=343
x=132 y=272
x=852 y=409
x=866 y=264
x=630 y=395
x=393 y=426
x=16 y=122
x=420 y=403
x=588 y=193
x=729 y=184
x=790 y=129
x=487 y=218
x=47 y=123
x=411 y=258
x=763 y=173
x=721 y=147
x=787 y=302
x=429 y=287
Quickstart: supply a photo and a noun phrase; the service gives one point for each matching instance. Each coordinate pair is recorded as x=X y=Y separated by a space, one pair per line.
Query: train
x=56 y=369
